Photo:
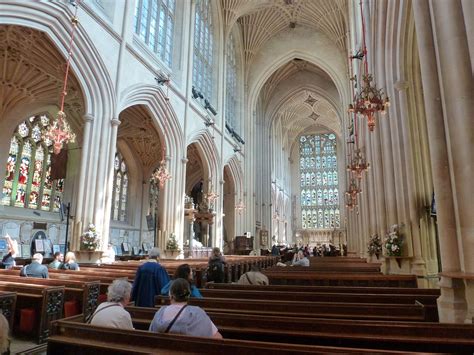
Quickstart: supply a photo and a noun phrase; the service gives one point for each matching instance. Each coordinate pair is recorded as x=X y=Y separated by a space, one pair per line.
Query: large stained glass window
x=203 y=47
x=120 y=192
x=231 y=85
x=154 y=24
x=319 y=182
x=28 y=181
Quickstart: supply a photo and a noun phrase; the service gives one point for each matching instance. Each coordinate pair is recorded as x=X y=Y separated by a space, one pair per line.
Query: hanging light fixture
x=240 y=207
x=358 y=164
x=211 y=195
x=161 y=175
x=369 y=100
x=59 y=132
x=353 y=190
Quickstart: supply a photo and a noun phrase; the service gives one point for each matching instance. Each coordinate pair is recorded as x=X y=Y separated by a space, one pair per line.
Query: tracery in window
x=154 y=24
x=231 y=85
x=203 y=49
x=28 y=182
x=319 y=182
x=120 y=190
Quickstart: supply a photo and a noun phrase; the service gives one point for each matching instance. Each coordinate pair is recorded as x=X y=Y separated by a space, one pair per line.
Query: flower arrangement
x=375 y=245
x=90 y=240
x=172 y=243
x=393 y=242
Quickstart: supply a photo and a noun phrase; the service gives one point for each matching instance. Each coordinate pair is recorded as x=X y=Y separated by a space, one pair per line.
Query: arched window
x=324 y=202
x=120 y=191
x=231 y=85
x=154 y=24
x=28 y=180
x=203 y=47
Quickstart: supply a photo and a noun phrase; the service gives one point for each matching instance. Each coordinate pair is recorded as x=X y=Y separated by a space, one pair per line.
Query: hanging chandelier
x=350 y=203
x=353 y=190
x=240 y=207
x=211 y=196
x=368 y=100
x=358 y=164
x=59 y=132
x=162 y=175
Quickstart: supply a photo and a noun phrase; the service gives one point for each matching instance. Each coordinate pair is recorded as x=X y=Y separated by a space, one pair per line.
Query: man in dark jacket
x=35 y=269
x=149 y=280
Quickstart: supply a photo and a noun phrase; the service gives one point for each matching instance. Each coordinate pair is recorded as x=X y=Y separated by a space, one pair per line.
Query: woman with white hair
x=112 y=313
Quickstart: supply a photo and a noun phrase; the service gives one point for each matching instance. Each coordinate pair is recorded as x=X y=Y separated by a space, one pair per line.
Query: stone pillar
x=189 y=216
x=80 y=200
x=451 y=304
x=109 y=182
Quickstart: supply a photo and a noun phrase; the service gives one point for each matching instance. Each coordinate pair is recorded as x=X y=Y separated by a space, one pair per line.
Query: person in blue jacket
x=149 y=280
x=183 y=271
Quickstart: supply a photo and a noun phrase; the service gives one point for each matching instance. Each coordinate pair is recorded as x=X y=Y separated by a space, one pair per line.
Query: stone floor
x=21 y=346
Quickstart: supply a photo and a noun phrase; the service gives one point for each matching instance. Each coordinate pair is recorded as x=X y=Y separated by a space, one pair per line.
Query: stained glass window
x=231 y=85
x=28 y=182
x=154 y=24
x=319 y=182
x=203 y=49
x=120 y=191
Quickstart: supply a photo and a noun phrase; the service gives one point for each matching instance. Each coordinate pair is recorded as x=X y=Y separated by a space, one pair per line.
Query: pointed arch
x=209 y=153
x=153 y=98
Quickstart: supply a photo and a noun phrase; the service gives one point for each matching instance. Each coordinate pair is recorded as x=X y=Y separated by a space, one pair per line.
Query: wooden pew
x=7 y=306
x=70 y=337
x=403 y=336
x=370 y=311
x=48 y=302
x=337 y=289
x=332 y=267
x=85 y=293
x=309 y=278
x=428 y=301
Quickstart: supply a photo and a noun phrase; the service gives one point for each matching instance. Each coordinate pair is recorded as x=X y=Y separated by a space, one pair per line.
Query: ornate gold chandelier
x=240 y=207
x=59 y=132
x=353 y=190
x=358 y=164
x=368 y=100
x=162 y=175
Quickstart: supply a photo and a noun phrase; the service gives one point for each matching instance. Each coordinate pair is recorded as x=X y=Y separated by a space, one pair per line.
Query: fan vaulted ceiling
x=260 y=20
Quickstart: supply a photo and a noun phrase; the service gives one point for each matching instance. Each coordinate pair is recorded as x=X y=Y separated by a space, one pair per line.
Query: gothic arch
x=166 y=120
x=86 y=64
x=209 y=153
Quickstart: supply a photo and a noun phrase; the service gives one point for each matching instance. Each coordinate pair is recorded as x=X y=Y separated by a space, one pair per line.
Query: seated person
x=180 y=318
x=58 y=260
x=8 y=261
x=4 y=340
x=70 y=262
x=253 y=277
x=112 y=313
x=183 y=271
x=300 y=260
x=35 y=269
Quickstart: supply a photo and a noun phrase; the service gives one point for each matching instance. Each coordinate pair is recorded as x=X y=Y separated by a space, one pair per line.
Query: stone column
x=451 y=304
x=413 y=224
x=114 y=123
x=80 y=199
x=189 y=215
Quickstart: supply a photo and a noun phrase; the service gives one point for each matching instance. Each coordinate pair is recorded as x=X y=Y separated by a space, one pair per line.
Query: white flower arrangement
x=90 y=240
x=375 y=245
x=393 y=242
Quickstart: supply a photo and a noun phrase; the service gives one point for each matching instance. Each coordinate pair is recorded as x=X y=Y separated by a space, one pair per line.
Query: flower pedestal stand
x=397 y=264
x=88 y=256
